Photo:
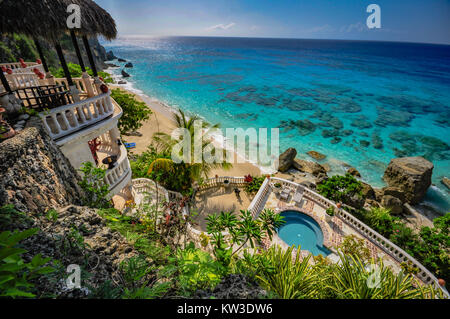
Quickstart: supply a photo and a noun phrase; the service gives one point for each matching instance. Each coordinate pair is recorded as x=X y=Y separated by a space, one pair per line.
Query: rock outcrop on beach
x=121 y=60
x=316 y=155
x=354 y=172
x=129 y=65
x=110 y=56
x=411 y=175
x=286 y=159
x=309 y=167
x=125 y=74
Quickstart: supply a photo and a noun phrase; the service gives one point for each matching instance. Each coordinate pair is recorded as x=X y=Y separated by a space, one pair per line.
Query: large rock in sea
x=411 y=175
x=446 y=182
x=316 y=155
x=286 y=159
x=125 y=74
x=392 y=203
x=309 y=167
x=110 y=56
x=129 y=65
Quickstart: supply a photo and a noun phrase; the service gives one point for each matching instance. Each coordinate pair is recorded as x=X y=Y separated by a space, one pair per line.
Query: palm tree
x=166 y=143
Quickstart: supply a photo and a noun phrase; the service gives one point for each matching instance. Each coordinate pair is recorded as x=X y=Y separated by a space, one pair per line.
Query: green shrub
x=341 y=188
x=76 y=72
x=15 y=274
x=95 y=188
x=254 y=186
x=134 y=112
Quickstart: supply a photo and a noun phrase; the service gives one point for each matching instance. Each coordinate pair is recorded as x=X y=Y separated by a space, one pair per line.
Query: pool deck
x=333 y=232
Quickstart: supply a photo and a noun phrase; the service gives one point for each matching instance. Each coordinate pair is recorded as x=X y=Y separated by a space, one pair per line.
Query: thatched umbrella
x=48 y=19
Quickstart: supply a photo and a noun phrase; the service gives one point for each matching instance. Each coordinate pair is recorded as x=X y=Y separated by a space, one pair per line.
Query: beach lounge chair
x=298 y=196
x=285 y=194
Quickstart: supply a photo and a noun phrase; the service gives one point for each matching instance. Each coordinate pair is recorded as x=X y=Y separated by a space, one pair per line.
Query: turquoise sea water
x=301 y=230
x=360 y=103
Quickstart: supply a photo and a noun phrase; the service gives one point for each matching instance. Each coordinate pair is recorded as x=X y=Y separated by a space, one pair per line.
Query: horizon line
x=137 y=36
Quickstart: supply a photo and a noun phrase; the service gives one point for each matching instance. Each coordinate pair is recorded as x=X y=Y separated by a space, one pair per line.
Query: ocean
x=359 y=103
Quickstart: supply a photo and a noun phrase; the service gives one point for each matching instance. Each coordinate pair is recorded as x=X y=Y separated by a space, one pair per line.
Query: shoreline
x=162 y=114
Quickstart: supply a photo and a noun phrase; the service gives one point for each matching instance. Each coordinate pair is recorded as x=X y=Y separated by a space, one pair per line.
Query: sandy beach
x=161 y=121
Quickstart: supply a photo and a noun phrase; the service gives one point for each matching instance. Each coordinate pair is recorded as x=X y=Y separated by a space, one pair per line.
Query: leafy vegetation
x=15 y=273
x=95 y=188
x=134 y=112
x=254 y=184
x=341 y=188
x=76 y=72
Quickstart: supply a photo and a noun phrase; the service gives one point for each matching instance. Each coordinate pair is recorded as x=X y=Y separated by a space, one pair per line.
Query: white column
x=75 y=93
x=88 y=84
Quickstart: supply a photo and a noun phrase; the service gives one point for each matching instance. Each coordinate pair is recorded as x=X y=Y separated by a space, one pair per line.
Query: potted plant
x=329 y=214
x=6 y=131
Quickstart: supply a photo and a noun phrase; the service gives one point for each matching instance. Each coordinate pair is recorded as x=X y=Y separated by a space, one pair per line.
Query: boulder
x=122 y=82
x=110 y=56
x=354 y=172
x=316 y=155
x=129 y=65
x=309 y=167
x=367 y=191
x=125 y=74
x=393 y=203
x=394 y=191
x=121 y=60
x=286 y=159
x=446 y=182
x=412 y=175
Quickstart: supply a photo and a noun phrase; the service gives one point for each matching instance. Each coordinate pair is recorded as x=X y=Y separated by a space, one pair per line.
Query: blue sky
x=401 y=20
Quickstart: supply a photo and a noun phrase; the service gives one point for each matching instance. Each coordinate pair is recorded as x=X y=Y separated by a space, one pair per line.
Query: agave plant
x=289 y=277
x=354 y=279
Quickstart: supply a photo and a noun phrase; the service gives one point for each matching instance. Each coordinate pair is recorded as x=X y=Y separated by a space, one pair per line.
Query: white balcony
x=79 y=84
x=16 y=67
x=69 y=119
x=22 y=80
x=120 y=175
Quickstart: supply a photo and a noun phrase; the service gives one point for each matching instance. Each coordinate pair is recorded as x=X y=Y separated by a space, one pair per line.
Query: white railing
x=219 y=181
x=78 y=82
x=387 y=246
x=115 y=175
x=16 y=67
x=144 y=186
x=22 y=80
x=67 y=119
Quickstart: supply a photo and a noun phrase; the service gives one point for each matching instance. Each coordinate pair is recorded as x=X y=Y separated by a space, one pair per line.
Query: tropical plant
x=354 y=246
x=242 y=230
x=76 y=72
x=288 y=277
x=352 y=278
x=197 y=270
x=330 y=211
x=341 y=188
x=134 y=112
x=167 y=143
x=95 y=188
x=254 y=184
x=15 y=273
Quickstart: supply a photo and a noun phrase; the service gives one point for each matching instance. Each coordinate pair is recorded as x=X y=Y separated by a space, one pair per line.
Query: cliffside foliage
x=15 y=273
x=94 y=186
x=76 y=72
x=341 y=188
x=254 y=184
x=134 y=112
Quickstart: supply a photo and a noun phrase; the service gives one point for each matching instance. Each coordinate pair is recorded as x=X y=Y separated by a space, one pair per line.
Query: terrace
x=216 y=195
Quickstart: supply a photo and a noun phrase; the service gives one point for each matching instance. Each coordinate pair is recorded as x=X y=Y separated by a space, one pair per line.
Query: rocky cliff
x=35 y=175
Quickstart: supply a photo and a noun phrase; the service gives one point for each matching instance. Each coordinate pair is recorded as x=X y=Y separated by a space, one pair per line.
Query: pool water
x=302 y=230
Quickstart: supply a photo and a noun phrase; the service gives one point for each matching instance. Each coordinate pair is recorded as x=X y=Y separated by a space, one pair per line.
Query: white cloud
x=221 y=26
x=357 y=27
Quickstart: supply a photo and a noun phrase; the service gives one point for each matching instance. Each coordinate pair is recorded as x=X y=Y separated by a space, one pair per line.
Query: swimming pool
x=302 y=230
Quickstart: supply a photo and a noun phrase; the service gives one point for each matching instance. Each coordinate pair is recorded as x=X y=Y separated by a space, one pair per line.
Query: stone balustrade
x=67 y=119
x=78 y=82
x=258 y=203
x=22 y=80
x=122 y=168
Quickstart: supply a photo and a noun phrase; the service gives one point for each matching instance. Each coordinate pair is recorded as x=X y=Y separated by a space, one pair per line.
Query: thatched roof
x=48 y=18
